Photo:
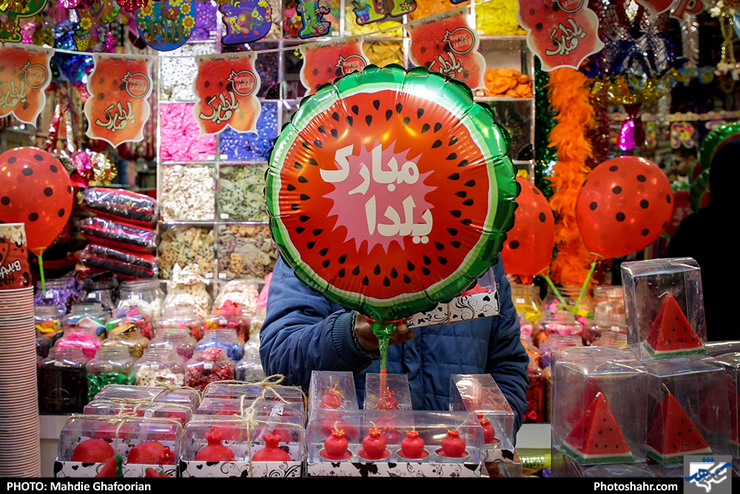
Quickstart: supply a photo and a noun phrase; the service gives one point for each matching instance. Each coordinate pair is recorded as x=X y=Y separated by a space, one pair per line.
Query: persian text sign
x=24 y=77
x=118 y=106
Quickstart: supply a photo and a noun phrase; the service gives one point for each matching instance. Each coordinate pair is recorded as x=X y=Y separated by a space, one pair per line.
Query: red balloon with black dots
x=623 y=206
x=35 y=189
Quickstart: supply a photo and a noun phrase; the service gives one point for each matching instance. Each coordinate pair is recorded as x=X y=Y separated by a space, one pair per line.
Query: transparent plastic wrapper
x=127 y=265
x=112 y=364
x=237 y=298
x=119 y=235
x=269 y=389
x=332 y=390
x=389 y=392
x=140 y=408
x=413 y=443
x=664 y=306
x=688 y=410
x=122 y=205
x=730 y=362
x=589 y=352
x=158 y=394
x=88 y=442
x=188 y=288
x=479 y=393
x=254 y=445
x=598 y=410
x=159 y=365
x=146 y=295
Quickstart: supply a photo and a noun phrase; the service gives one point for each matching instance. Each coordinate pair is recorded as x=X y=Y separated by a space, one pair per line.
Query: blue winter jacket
x=303 y=332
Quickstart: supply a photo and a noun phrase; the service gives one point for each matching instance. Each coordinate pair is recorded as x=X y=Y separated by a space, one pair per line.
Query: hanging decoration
x=166 y=24
x=246 y=21
x=312 y=14
x=569 y=97
x=24 y=76
x=12 y=12
x=395 y=143
x=227 y=87
x=326 y=61
x=369 y=11
x=446 y=43
x=93 y=30
x=118 y=106
x=562 y=33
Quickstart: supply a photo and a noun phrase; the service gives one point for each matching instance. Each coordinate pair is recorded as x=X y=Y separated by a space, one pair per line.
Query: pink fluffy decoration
x=180 y=135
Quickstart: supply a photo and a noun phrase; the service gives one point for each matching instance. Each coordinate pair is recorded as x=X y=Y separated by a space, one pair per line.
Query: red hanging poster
x=24 y=76
x=561 y=33
x=118 y=106
x=446 y=43
x=226 y=86
x=324 y=62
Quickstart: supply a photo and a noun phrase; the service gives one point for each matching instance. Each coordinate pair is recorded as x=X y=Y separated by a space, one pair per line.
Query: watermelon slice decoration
x=597 y=438
x=672 y=434
x=671 y=334
x=391 y=191
x=588 y=394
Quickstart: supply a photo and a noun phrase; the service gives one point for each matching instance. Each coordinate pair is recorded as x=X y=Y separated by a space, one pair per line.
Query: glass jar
x=237 y=322
x=159 y=365
x=48 y=320
x=62 y=381
x=126 y=333
x=99 y=290
x=566 y=298
x=249 y=368
x=528 y=305
x=55 y=292
x=179 y=338
x=112 y=364
x=562 y=322
x=180 y=317
x=609 y=317
x=83 y=328
x=147 y=295
x=224 y=338
x=208 y=365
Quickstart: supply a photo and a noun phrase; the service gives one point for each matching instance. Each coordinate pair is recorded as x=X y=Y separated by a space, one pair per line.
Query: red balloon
x=529 y=244
x=35 y=189
x=624 y=205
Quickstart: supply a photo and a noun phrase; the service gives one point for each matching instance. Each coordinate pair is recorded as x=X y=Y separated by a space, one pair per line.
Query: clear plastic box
x=86 y=442
x=418 y=443
x=181 y=413
x=730 y=362
x=664 y=308
x=479 y=393
x=257 y=445
x=687 y=410
x=181 y=396
x=598 y=410
x=388 y=392
x=333 y=390
x=266 y=390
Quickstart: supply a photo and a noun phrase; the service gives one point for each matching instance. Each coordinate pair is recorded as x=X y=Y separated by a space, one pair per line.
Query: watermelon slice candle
x=671 y=334
x=673 y=435
x=597 y=438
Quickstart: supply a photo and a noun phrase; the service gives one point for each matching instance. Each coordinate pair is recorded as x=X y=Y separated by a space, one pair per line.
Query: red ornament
x=215 y=451
x=151 y=452
x=332 y=399
x=489 y=434
x=453 y=446
x=93 y=451
x=412 y=446
x=272 y=450
x=374 y=445
x=335 y=446
x=387 y=400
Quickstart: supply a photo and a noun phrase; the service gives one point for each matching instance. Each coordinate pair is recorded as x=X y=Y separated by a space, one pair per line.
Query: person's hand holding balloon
x=369 y=341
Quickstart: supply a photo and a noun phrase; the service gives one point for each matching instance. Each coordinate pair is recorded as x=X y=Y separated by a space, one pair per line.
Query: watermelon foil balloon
x=391 y=191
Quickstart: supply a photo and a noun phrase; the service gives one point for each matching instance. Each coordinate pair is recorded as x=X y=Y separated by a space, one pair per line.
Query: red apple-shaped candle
x=489 y=434
x=215 y=451
x=331 y=399
x=387 y=400
x=272 y=450
x=93 y=451
x=152 y=453
x=453 y=446
x=412 y=446
x=336 y=446
x=374 y=445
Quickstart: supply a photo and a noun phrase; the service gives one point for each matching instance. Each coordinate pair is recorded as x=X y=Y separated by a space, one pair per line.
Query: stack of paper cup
x=20 y=454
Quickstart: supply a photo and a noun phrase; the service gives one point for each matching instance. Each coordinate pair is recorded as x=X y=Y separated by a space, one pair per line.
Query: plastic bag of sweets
x=122 y=205
x=126 y=264
x=120 y=235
